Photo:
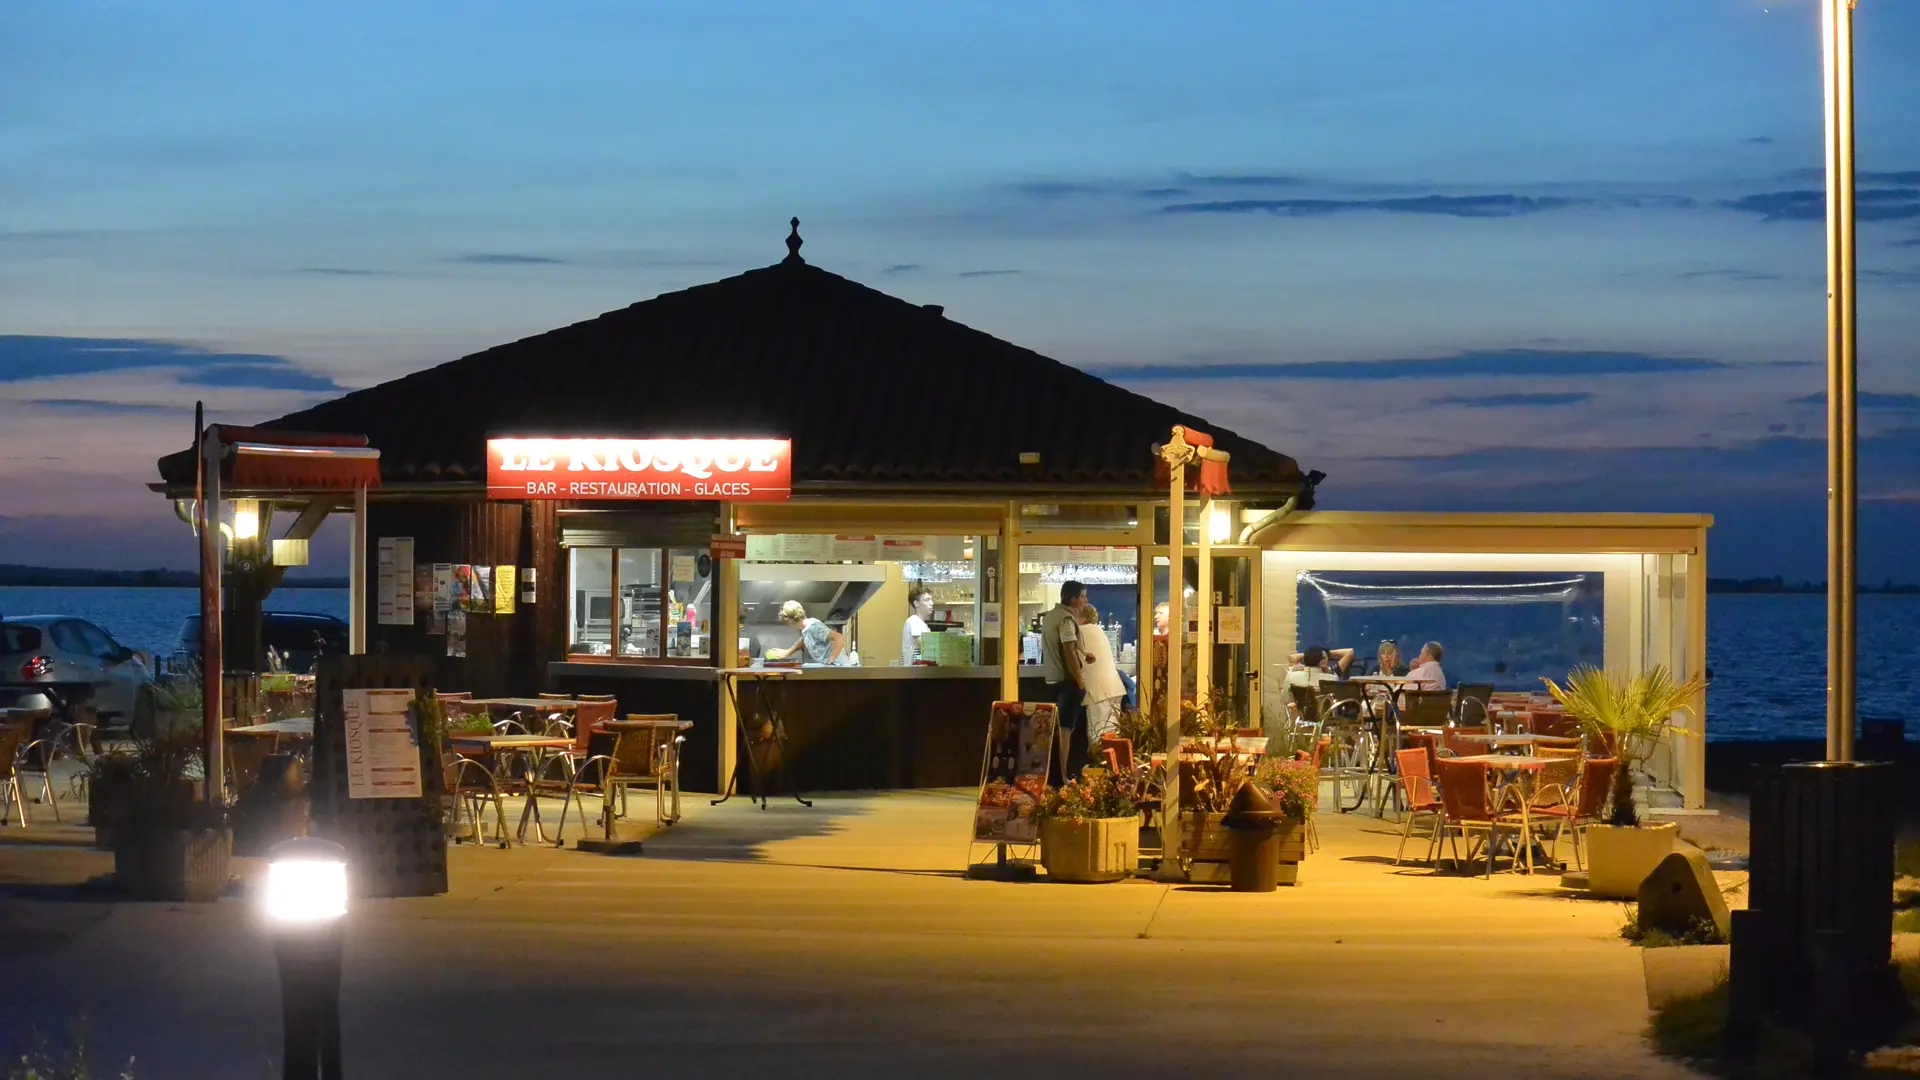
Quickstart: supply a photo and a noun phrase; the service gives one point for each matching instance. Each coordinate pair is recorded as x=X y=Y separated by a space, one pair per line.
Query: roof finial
x=794 y=242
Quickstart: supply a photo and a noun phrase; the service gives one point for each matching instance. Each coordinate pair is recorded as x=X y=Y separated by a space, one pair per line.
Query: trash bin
x=1253 y=840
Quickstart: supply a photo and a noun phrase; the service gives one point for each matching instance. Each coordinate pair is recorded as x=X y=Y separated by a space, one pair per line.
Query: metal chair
x=1573 y=812
x=649 y=757
x=1417 y=788
x=469 y=784
x=11 y=737
x=1467 y=800
x=1473 y=703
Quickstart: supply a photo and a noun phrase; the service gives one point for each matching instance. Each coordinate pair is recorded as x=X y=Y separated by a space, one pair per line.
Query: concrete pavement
x=842 y=941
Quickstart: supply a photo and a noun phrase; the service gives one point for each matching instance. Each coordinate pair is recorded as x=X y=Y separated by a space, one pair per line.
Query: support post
x=357 y=577
x=1842 y=366
x=1176 y=641
x=211 y=646
x=1203 y=616
x=726 y=653
x=1010 y=604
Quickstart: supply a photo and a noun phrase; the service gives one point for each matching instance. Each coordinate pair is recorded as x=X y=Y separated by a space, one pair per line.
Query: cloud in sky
x=986 y=273
x=1728 y=274
x=903 y=268
x=1870 y=204
x=1513 y=401
x=1503 y=363
x=1461 y=206
x=24 y=357
x=506 y=259
x=340 y=271
x=1869 y=400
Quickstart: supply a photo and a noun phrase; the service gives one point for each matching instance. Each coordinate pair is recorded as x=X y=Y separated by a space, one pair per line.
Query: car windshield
x=16 y=637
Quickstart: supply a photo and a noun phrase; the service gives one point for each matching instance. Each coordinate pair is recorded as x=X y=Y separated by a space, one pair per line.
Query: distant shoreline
x=44 y=577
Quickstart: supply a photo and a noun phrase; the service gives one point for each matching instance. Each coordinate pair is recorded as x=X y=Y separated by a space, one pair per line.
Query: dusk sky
x=1497 y=255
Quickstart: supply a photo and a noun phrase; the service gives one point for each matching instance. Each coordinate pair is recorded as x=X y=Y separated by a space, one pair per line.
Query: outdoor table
x=494 y=744
x=295 y=726
x=1499 y=741
x=534 y=703
x=673 y=775
x=760 y=677
x=1519 y=767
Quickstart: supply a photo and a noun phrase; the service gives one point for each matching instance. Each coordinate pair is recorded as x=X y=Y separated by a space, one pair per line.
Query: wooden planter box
x=1090 y=850
x=1619 y=859
x=173 y=865
x=1204 y=843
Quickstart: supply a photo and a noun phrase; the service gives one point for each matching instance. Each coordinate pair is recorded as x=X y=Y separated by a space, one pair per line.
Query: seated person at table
x=1389 y=658
x=1426 y=671
x=818 y=644
x=1319 y=664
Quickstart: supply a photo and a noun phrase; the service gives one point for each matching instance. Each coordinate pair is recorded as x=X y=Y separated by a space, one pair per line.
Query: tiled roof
x=872 y=389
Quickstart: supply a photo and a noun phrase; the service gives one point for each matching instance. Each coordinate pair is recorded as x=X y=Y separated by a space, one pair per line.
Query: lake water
x=1767 y=652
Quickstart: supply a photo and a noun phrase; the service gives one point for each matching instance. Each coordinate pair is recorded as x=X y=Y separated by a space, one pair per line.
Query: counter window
x=618 y=607
x=888 y=600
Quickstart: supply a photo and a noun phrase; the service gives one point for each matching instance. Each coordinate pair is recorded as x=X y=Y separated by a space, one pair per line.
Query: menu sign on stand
x=383 y=750
x=1013 y=778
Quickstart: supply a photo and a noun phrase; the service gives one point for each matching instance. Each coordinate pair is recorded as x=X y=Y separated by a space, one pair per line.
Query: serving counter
x=847 y=729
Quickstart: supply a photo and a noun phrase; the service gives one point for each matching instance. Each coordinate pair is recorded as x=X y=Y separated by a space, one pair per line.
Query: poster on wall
x=442 y=596
x=383 y=750
x=394 y=592
x=456 y=632
x=503 y=590
x=462 y=587
x=527 y=591
x=1014 y=774
x=1230 y=625
x=481 y=600
x=423 y=590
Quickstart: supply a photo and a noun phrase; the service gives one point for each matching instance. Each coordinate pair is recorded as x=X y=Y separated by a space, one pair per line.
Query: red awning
x=294 y=460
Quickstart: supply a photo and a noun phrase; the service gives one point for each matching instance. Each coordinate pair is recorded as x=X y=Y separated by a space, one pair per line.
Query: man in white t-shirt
x=919 y=610
x=1426 y=671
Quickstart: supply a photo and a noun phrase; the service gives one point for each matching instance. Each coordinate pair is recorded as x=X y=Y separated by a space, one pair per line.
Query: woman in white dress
x=1100 y=676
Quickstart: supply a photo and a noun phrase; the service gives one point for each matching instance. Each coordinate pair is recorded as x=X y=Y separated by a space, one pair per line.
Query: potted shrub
x=1209 y=777
x=1294 y=785
x=1090 y=829
x=178 y=701
x=1634 y=716
x=167 y=843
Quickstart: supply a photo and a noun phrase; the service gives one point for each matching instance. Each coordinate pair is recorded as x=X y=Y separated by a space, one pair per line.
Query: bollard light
x=304 y=904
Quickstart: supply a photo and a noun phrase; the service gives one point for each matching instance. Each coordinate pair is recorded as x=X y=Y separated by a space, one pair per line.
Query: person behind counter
x=818 y=644
x=919 y=610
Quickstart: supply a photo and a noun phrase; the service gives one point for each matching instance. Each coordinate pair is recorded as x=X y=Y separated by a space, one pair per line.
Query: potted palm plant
x=1633 y=716
x=1090 y=829
x=168 y=844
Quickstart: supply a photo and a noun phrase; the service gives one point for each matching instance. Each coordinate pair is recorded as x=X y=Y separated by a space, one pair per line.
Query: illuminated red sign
x=736 y=470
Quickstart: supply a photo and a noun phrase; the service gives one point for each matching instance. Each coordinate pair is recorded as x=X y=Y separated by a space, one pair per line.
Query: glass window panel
x=1509 y=629
x=640 y=623
x=689 y=602
x=590 y=601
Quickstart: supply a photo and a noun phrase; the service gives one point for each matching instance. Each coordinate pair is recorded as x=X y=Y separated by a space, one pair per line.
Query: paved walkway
x=842 y=941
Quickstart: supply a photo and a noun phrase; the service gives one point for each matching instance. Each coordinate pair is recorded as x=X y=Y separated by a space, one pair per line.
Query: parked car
x=299 y=637
x=62 y=650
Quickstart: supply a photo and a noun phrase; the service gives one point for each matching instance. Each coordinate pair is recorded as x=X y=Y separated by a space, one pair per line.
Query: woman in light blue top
x=818 y=644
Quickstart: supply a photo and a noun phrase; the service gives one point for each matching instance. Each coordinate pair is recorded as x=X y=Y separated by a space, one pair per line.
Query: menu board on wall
x=1020 y=738
x=851 y=548
x=442 y=597
x=1230 y=625
x=393 y=596
x=383 y=750
x=503 y=590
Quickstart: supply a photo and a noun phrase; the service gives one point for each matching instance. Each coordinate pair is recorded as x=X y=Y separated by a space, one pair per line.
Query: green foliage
x=1097 y=794
x=152 y=784
x=1692 y=1028
x=1634 y=714
x=180 y=691
x=1699 y=931
x=42 y=1063
x=430 y=718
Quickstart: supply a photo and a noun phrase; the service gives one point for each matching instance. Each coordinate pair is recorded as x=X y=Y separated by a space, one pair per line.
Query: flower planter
x=1204 y=845
x=1620 y=858
x=173 y=865
x=1090 y=849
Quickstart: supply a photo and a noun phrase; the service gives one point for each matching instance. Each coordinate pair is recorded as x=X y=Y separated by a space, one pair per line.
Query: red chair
x=1417 y=790
x=1468 y=804
x=1581 y=808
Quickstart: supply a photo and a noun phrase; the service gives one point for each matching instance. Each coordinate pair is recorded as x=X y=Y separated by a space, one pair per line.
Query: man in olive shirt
x=1060 y=658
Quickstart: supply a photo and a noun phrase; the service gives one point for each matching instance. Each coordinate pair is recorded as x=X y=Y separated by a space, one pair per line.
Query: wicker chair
x=1574 y=811
x=11 y=736
x=1468 y=803
x=649 y=757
